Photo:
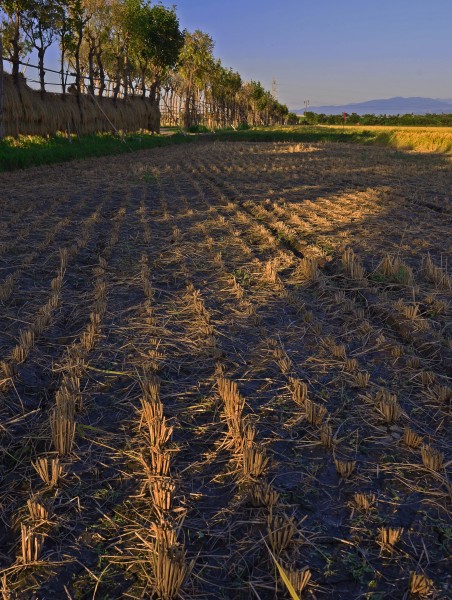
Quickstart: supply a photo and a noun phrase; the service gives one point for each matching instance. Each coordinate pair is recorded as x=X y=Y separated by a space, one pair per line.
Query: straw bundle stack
x=27 y=113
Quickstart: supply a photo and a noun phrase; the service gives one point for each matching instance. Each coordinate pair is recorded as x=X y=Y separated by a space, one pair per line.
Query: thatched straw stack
x=27 y=113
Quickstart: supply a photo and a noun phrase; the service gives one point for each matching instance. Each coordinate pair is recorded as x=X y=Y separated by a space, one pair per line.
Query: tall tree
x=196 y=62
x=224 y=87
x=123 y=14
x=63 y=27
x=96 y=36
x=41 y=25
x=156 y=43
x=14 y=42
x=79 y=16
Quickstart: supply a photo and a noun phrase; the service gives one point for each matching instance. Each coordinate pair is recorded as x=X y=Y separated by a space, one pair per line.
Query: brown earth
x=152 y=280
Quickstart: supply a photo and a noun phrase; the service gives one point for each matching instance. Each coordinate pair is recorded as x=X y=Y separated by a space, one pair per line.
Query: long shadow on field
x=374 y=199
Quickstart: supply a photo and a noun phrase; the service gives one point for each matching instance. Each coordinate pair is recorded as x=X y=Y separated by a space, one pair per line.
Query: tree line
x=122 y=48
x=436 y=120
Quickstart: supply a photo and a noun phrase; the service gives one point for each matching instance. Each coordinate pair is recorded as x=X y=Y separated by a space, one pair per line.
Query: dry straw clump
x=364 y=502
x=62 y=423
x=338 y=351
x=394 y=269
x=361 y=379
x=233 y=403
x=299 y=391
x=315 y=413
x=352 y=266
x=345 y=468
x=160 y=462
x=159 y=433
x=31 y=544
x=411 y=438
x=255 y=461
x=40 y=510
x=388 y=406
x=262 y=494
x=427 y=378
x=307 y=270
x=440 y=393
x=433 y=459
x=326 y=435
x=435 y=274
x=281 y=531
x=299 y=578
x=168 y=559
x=49 y=470
x=409 y=311
x=388 y=537
x=351 y=365
x=419 y=585
x=162 y=492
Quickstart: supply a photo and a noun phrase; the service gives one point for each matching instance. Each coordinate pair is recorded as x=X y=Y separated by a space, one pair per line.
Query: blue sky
x=331 y=51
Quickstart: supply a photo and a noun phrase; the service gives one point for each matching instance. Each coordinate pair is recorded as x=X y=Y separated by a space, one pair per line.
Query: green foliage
x=443 y=120
x=7 y=29
x=158 y=37
x=357 y=566
x=243 y=277
x=196 y=58
x=197 y=129
x=40 y=22
x=155 y=44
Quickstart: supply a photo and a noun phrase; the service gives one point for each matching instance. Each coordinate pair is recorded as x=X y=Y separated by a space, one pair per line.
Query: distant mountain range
x=387 y=106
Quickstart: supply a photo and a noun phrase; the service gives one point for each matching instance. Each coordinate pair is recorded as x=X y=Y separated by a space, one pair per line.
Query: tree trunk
x=77 y=62
x=188 y=100
x=117 y=78
x=16 y=50
x=91 y=70
x=62 y=33
x=143 y=82
x=126 y=76
x=154 y=95
x=42 y=73
x=63 y=79
x=101 y=73
x=2 y=130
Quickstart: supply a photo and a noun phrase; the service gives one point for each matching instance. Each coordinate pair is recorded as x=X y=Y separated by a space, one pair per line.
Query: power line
x=26 y=64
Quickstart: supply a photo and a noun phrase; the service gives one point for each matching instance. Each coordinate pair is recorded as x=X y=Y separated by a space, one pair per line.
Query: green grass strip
x=30 y=151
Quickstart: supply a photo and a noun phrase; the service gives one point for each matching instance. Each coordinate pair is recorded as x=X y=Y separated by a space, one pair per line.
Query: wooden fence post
x=2 y=129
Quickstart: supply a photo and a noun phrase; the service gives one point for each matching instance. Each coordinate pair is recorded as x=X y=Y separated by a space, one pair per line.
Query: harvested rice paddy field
x=225 y=366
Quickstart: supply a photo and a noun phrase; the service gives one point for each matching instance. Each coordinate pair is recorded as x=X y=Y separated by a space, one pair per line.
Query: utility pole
x=306 y=104
x=274 y=89
x=2 y=129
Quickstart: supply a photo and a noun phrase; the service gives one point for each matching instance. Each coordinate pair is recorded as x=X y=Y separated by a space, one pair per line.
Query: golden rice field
x=419 y=139
x=226 y=374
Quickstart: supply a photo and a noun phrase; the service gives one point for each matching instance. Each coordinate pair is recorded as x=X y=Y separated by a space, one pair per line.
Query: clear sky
x=330 y=51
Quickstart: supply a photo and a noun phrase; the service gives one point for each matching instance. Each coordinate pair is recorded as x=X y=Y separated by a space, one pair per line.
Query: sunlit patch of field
x=226 y=367
x=419 y=139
